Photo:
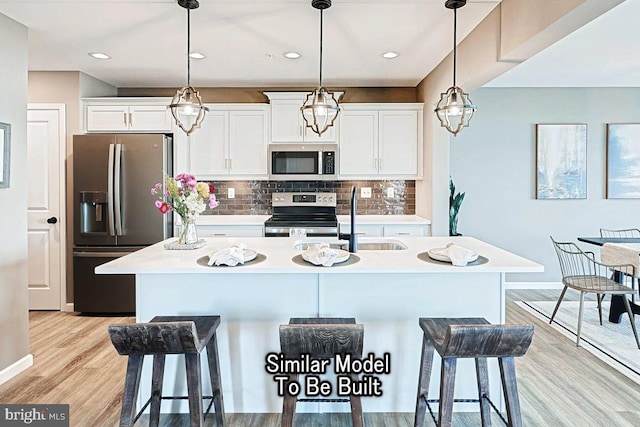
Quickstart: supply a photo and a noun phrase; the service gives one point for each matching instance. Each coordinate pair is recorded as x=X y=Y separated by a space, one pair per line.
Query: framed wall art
x=623 y=161
x=5 y=152
x=561 y=161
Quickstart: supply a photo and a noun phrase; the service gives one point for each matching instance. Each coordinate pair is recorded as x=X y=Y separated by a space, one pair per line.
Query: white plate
x=434 y=253
x=342 y=256
x=249 y=254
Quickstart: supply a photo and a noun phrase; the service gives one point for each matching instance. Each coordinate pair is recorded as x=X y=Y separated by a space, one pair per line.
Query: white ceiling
x=603 y=53
x=243 y=40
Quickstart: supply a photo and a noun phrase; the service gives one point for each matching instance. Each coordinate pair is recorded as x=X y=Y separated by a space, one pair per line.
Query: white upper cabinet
x=208 y=146
x=127 y=115
x=230 y=144
x=381 y=140
x=287 y=124
x=398 y=142
x=359 y=143
x=248 y=139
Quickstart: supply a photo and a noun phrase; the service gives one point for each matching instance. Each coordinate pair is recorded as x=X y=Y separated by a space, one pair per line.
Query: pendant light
x=321 y=108
x=186 y=106
x=454 y=110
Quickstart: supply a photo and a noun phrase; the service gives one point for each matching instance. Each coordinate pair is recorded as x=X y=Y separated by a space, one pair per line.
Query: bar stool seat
x=187 y=335
x=476 y=338
x=320 y=338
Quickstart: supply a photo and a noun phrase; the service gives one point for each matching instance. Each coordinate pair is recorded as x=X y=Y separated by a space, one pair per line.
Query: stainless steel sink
x=363 y=245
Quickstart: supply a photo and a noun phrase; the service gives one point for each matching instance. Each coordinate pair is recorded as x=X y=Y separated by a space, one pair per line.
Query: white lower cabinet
x=392 y=230
x=230 y=230
x=368 y=230
x=405 y=230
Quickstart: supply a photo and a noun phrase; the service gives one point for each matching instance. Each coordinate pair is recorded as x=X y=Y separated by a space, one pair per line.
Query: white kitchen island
x=387 y=291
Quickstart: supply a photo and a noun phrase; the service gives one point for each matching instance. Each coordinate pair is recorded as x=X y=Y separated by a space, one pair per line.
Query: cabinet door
x=286 y=121
x=328 y=136
x=287 y=124
x=358 y=143
x=398 y=143
x=248 y=132
x=150 y=118
x=208 y=155
x=107 y=118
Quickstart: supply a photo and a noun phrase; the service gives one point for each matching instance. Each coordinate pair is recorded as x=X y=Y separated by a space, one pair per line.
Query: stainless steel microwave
x=303 y=162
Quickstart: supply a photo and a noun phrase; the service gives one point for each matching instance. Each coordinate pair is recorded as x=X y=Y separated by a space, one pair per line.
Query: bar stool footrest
x=139 y=414
x=495 y=408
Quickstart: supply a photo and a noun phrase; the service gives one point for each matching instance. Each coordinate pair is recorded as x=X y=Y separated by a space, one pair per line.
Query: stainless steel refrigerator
x=114 y=212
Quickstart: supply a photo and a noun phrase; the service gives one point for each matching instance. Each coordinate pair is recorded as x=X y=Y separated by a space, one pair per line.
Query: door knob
x=52 y=220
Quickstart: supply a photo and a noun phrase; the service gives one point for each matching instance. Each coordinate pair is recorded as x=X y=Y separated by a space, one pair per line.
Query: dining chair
x=581 y=271
x=623 y=233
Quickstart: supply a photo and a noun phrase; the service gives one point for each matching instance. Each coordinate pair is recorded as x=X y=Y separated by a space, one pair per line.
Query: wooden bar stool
x=470 y=338
x=321 y=338
x=163 y=335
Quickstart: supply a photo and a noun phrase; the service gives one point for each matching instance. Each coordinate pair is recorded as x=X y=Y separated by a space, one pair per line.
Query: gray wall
x=67 y=87
x=493 y=161
x=14 y=321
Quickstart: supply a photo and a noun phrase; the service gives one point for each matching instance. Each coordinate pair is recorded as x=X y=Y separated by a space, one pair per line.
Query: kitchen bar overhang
x=387 y=291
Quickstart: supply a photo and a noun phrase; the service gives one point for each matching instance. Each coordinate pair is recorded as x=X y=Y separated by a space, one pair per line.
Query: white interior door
x=46 y=225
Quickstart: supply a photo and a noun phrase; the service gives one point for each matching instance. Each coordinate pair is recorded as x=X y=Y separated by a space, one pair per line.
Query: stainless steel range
x=315 y=213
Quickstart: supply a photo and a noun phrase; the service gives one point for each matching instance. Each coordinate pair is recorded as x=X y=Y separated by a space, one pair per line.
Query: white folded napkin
x=458 y=255
x=321 y=254
x=228 y=256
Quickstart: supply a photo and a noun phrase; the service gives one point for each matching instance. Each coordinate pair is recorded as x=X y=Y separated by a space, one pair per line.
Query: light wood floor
x=559 y=384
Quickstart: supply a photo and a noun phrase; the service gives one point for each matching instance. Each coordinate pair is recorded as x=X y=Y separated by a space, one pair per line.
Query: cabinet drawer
x=230 y=231
x=366 y=230
x=404 y=230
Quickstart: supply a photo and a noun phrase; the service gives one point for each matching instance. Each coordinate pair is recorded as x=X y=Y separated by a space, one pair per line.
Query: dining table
x=617 y=307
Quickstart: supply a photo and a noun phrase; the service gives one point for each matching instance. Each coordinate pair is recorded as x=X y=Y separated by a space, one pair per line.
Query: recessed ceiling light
x=197 y=55
x=99 y=55
x=390 y=55
x=291 y=55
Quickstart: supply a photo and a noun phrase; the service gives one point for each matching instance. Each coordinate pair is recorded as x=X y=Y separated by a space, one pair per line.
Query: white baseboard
x=15 y=368
x=68 y=307
x=533 y=285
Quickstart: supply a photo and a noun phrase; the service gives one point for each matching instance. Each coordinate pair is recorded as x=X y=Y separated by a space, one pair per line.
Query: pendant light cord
x=455 y=43
x=321 y=22
x=188 y=47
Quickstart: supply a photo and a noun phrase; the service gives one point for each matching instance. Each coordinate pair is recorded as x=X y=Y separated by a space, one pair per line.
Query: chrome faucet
x=352 y=237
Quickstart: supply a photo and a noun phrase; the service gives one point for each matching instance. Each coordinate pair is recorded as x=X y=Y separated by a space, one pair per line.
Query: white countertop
x=279 y=253
x=385 y=219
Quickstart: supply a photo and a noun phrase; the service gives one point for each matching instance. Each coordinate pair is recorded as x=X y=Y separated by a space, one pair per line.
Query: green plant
x=455 y=200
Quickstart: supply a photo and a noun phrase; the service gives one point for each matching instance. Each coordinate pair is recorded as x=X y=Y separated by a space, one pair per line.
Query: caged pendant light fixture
x=186 y=106
x=321 y=108
x=454 y=110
